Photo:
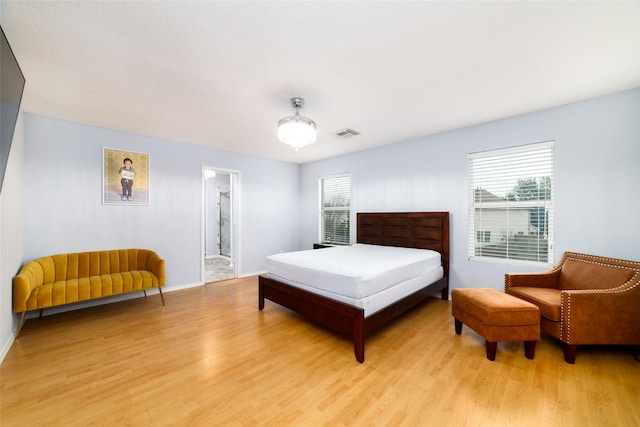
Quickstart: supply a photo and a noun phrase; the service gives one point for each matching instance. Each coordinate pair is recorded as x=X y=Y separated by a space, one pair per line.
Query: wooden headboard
x=422 y=230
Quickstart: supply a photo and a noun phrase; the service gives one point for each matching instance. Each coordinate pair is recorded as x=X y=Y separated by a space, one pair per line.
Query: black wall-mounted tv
x=11 y=88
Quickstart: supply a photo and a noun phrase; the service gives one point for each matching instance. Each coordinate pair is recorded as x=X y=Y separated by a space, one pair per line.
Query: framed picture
x=125 y=177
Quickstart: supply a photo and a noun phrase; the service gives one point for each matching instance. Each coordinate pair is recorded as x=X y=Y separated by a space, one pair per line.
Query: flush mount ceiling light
x=297 y=130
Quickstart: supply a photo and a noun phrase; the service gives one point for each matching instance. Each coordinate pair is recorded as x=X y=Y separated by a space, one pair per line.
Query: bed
x=420 y=230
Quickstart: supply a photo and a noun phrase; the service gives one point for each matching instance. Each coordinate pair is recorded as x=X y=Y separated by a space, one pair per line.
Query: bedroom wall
x=63 y=210
x=596 y=156
x=10 y=234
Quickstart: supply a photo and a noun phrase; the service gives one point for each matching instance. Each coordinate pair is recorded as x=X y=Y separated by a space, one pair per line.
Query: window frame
x=323 y=209
x=519 y=244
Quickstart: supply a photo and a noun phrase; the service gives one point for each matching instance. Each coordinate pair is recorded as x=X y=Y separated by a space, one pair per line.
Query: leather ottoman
x=496 y=316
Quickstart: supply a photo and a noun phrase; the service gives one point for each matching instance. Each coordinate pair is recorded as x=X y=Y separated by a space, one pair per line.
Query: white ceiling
x=221 y=74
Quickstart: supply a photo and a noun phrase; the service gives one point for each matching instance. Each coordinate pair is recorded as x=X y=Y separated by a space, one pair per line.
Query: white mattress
x=382 y=299
x=356 y=272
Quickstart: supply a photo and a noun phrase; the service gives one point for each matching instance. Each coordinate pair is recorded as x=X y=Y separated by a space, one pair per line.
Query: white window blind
x=335 y=193
x=511 y=203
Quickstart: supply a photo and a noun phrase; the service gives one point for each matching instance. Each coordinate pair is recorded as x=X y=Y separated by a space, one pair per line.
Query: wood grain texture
x=210 y=357
x=422 y=230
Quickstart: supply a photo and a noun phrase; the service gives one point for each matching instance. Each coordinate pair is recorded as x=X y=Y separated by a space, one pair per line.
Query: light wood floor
x=211 y=358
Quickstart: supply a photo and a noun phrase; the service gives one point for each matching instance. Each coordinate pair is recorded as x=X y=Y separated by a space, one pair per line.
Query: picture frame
x=125 y=177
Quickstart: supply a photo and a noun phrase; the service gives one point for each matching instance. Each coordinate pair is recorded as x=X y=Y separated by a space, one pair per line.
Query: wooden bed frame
x=423 y=230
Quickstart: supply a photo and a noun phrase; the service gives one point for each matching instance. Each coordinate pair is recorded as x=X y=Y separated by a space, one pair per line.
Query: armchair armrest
x=547 y=279
x=157 y=268
x=603 y=316
x=29 y=278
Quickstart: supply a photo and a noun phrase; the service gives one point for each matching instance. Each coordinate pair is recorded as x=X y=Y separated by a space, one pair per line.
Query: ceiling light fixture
x=297 y=130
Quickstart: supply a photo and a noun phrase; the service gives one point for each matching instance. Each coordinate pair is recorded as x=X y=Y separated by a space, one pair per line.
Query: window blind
x=335 y=209
x=511 y=203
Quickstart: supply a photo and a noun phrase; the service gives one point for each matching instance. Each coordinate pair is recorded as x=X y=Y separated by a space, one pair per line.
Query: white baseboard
x=255 y=273
x=178 y=287
x=109 y=300
x=86 y=304
x=7 y=347
x=93 y=303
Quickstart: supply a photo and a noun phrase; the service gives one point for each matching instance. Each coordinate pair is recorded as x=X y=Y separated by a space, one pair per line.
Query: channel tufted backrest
x=69 y=278
x=62 y=267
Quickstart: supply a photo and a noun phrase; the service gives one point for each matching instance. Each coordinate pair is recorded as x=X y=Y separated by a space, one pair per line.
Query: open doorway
x=220 y=225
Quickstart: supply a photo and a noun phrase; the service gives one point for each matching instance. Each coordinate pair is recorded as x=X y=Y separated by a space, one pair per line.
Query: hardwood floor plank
x=210 y=357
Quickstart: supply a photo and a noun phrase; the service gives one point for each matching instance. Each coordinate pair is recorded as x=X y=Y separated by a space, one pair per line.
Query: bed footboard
x=339 y=317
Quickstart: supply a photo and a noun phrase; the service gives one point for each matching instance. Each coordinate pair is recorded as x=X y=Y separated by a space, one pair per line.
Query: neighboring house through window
x=511 y=203
x=335 y=211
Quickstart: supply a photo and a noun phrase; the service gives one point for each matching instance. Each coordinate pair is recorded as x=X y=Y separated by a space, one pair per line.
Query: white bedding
x=375 y=302
x=361 y=275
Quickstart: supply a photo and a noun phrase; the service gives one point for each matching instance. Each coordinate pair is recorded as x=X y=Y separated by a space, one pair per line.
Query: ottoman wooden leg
x=529 y=349
x=491 y=350
x=458 y=326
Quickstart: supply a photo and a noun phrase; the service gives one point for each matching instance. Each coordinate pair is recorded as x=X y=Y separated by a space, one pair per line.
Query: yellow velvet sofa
x=585 y=299
x=69 y=278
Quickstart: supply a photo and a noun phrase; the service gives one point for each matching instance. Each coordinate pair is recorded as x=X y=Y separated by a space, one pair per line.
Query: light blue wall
x=63 y=210
x=597 y=156
x=10 y=235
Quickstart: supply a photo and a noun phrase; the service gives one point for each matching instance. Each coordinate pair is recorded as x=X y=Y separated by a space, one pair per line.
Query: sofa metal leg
x=491 y=350
x=20 y=324
x=41 y=311
x=161 y=296
x=570 y=351
x=145 y=293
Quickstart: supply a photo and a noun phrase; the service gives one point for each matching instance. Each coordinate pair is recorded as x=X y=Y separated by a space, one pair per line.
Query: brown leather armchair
x=585 y=299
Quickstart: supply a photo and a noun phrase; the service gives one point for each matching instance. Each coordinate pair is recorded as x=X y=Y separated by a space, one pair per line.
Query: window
x=335 y=199
x=483 y=236
x=511 y=204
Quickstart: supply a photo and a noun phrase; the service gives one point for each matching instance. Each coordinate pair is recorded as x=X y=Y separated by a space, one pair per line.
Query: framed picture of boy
x=125 y=177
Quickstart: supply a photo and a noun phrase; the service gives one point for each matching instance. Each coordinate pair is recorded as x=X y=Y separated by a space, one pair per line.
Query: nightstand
x=322 y=245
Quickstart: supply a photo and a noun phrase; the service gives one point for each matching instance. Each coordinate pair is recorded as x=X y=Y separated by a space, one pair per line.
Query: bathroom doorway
x=220 y=224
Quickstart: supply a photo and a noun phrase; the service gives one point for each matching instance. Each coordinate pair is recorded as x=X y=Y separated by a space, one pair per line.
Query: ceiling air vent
x=346 y=133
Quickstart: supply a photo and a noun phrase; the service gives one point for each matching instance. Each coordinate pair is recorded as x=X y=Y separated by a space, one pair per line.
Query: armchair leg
x=636 y=352
x=570 y=351
x=161 y=296
x=491 y=347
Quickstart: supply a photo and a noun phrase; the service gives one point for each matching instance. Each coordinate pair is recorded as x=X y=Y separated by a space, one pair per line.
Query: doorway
x=220 y=224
